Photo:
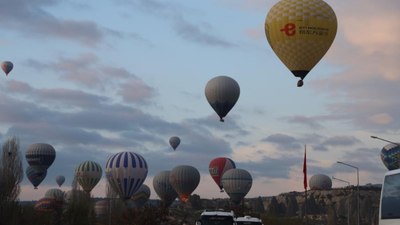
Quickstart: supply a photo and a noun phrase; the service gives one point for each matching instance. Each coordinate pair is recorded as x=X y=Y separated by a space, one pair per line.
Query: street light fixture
x=391 y=142
x=348 y=201
x=358 y=190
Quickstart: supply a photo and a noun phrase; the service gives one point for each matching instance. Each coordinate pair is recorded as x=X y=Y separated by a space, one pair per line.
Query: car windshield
x=391 y=197
x=216 y=220
x=248 y=223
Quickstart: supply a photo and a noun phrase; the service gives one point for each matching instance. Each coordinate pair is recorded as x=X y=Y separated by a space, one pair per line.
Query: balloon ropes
x=126 y=172
x=300 y=33
x=222 y=93
x=218 y=167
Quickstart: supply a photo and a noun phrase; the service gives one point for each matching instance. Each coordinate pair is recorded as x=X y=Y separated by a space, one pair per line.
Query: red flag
x=305 y=169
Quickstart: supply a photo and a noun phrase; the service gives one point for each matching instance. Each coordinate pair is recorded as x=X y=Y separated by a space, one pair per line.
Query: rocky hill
x=330 y=207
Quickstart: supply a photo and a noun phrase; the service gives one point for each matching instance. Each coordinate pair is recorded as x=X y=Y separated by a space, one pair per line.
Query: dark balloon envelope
x=35 y=175
x=7 y=66
x=40 y=155
x=222 y=93
x=174 y=142
x=184 y=179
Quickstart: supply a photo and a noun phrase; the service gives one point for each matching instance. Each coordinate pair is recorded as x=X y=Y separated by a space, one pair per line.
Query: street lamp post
x=391 y=142
x=358 y=190
x=348 y=200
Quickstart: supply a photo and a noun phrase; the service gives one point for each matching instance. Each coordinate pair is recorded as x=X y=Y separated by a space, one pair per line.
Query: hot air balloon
x=47 y=205
x=141 y=196
x=218 y=167
x=40 y=155
x=126 y=172
x=390 y=155
x=222 y=93
x=300 y=33
x=184 y=179
x=101 y=208
x=163 y=188
x=35 y=175
x=174 y=142
x=7 y=66
x=55 y=193
x=237 y=183
x=320 y=182
x=60 y=180
x=88 y=174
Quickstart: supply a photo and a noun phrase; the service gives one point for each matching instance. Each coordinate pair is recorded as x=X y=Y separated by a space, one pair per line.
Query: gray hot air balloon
x=237 y=183
x=163 y=188
x=55 y=193
x=60 y=180
x=174 y=142
x=185 y=180
x=222 y=93
x=40 y=155
x=320 y=182
x=141 y=196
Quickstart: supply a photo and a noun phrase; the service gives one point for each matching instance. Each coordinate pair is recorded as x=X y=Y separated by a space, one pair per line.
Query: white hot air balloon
x=126 y=172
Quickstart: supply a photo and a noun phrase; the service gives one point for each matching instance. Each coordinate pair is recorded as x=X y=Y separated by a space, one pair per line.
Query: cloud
x=283 y=141
x=32 y=18
x=200 y=32
x=311 y=122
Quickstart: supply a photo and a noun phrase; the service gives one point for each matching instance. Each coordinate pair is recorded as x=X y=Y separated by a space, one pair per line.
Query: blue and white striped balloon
x=126 y=172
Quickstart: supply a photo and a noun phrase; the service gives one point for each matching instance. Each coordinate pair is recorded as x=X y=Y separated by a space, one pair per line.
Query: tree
x=11 y=175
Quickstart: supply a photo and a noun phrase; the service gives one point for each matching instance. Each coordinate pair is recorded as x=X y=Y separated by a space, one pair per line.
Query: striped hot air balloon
x=218 y=167
x=163 y=188
x=40 y=155
x=141 y=196
x=47 y=205
x=126 y=172
x=222 y=93
x=88 y=174
x=35 y=175
x=55 y=193
x=185 y=180
x=237 y=183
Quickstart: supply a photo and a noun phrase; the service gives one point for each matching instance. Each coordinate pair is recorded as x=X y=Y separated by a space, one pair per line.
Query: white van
x=389 y=208
x=215 y=217
x=248 y=220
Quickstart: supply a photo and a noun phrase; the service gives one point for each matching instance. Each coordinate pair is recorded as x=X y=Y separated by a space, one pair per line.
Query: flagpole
x=305 y=183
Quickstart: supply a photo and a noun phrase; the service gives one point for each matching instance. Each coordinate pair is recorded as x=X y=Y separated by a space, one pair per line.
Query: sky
x=94 y=78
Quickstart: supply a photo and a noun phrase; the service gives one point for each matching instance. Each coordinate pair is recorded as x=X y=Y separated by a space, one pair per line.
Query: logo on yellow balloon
x=289 y=29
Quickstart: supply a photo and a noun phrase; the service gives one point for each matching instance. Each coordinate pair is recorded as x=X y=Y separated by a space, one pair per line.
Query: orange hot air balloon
x=300 y=32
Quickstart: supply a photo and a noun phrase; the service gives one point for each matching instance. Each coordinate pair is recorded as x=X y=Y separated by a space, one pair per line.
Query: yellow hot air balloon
x=300 y=32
